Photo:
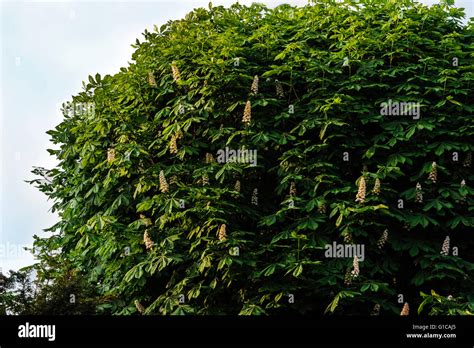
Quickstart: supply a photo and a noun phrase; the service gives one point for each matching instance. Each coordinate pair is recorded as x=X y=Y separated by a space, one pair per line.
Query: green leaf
x=339 y=220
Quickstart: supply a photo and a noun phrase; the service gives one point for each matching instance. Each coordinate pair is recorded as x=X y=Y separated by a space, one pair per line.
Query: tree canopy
x=150 y=214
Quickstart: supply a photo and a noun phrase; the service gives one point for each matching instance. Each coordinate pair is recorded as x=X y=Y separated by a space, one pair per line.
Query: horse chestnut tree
x=213 y=173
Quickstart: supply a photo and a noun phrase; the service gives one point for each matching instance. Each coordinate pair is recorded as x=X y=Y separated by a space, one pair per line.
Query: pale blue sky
x=47 y=50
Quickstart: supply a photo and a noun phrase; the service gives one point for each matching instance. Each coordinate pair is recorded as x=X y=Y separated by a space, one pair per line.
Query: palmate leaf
x=341 y=295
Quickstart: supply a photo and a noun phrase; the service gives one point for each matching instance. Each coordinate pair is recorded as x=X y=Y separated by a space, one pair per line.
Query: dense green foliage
x=324 y=70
